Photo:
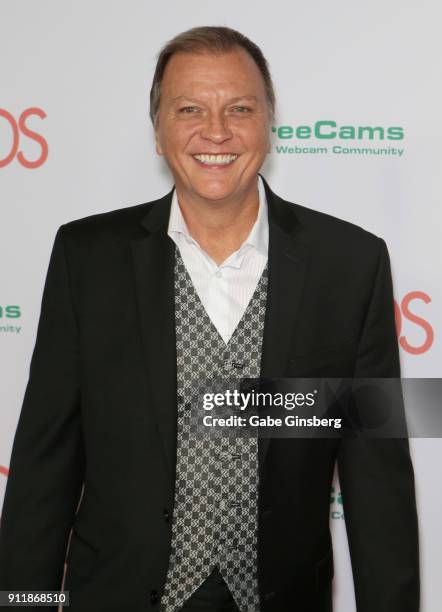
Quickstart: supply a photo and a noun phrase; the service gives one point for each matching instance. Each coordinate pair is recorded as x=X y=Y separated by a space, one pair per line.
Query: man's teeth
x=215 y=159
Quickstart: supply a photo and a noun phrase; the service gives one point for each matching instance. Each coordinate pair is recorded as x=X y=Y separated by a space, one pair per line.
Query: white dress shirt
x=224 y=290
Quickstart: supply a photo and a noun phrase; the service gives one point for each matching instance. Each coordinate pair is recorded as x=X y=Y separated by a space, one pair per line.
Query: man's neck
x=220 y=227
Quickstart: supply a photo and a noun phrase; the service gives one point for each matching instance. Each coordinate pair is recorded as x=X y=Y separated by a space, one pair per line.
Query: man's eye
x=241 y=109
x=188 y=109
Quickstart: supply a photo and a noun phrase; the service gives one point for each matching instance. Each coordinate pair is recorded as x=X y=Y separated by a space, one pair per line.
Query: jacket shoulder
x=120 y=223
x=334 y=233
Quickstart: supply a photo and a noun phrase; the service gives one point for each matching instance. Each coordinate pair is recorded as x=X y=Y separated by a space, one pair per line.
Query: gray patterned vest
x=216 y=489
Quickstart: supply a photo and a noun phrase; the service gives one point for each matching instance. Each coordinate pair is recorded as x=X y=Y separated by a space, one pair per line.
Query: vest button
x=154 y=597
x=238 y=365
x=234 y=504
x=166 y=515
x=229 y=456
x=227 y=364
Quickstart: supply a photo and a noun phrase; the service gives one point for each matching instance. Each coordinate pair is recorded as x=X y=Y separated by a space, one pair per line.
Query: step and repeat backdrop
x=357 y=134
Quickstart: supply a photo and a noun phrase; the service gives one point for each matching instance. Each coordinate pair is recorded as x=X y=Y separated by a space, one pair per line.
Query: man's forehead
x=208 y=66
x=204 y=77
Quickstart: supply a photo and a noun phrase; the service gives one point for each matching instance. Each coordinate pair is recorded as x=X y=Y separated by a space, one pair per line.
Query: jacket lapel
x=288 y=257
x=153 y=259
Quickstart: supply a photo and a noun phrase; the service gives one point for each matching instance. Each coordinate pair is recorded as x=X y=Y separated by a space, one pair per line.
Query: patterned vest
x=216 y=489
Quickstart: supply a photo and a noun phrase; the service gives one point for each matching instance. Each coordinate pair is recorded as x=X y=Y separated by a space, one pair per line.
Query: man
x=220 y=276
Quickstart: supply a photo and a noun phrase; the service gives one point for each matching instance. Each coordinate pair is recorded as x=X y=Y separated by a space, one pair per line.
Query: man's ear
x=158 y=147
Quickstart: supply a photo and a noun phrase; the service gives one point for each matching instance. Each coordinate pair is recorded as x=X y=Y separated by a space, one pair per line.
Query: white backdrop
x=75 y=140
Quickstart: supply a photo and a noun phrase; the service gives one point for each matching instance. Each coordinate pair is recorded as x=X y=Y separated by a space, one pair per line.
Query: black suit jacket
x=100 y=409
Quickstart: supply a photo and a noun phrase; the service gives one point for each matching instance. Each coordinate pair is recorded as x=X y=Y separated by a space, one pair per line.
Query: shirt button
x=218 y=274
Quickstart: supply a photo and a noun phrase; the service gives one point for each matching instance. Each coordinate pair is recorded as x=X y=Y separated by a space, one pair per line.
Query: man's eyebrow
x=242 y=98
x=231 y=101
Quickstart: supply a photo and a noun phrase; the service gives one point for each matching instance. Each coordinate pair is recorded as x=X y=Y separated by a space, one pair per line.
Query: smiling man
x=219 y=278
x=212 y=126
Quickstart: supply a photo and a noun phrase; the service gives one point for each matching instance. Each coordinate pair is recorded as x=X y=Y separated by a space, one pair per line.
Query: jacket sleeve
x=377 y=480
x=47 y=461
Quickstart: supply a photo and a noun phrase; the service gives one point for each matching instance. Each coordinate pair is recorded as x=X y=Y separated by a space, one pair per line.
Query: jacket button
x=153 y=597
x=166 y=515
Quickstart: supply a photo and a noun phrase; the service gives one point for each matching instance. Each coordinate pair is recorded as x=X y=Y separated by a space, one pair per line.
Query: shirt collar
x=258 y=237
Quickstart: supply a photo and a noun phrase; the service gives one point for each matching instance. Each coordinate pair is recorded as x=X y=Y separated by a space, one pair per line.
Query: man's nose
x=216 y=129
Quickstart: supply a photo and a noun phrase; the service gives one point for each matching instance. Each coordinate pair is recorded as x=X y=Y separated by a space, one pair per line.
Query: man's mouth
x=216 y=160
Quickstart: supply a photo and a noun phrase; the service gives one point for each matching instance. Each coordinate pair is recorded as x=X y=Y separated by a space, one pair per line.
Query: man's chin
x=216 y=190
x=215 y=195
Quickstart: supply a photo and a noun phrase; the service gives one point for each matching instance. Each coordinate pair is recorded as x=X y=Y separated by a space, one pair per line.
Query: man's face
x=213 y=105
